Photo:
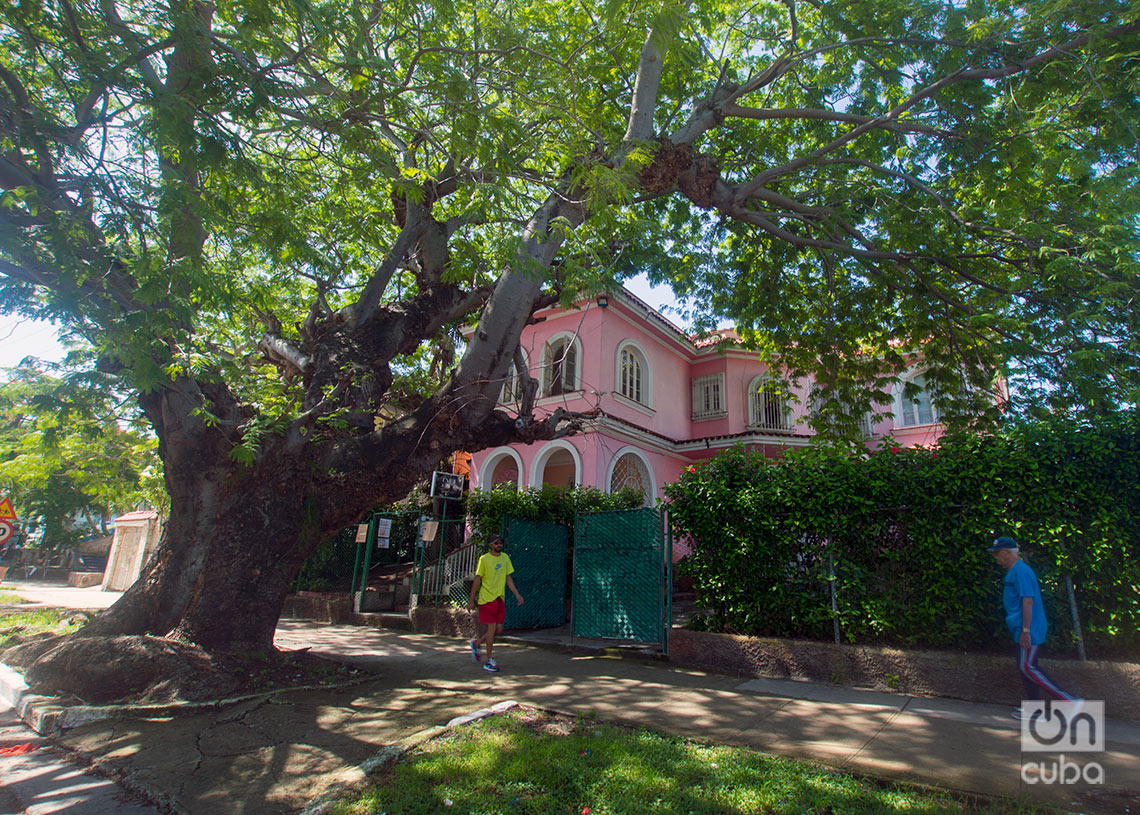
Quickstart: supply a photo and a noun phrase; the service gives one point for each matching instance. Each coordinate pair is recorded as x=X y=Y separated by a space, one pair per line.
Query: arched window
x=914 y=406
x=768 y=405
x=630 y=375
x=630 y=469
x=633 y=376
x=560 y=366
x=512 y=386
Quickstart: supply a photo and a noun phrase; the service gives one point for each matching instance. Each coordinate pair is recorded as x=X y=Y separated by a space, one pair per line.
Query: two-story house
x=664 y=402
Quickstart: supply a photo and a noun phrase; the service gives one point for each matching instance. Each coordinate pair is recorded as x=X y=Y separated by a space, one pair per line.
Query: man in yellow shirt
x=492 y=577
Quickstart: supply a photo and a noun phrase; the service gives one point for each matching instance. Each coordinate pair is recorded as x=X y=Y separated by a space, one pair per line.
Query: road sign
x=6 y=531
x=6 y=511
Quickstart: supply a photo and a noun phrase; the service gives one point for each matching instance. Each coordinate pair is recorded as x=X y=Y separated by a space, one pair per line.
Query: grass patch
x=530 y=763
x=19 y=625
x=10 y=599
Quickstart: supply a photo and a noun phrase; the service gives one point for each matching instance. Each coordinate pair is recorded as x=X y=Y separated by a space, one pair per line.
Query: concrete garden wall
x=956 y=675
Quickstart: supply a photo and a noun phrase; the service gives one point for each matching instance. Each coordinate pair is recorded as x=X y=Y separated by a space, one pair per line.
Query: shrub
x=901 y=533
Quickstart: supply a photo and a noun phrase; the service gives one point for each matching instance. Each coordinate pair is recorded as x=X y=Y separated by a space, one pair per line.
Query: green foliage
x=534 y=763
x=72 y=455
x=487 y=511
x=993 y=220
x=904 y=532
x=259 y=216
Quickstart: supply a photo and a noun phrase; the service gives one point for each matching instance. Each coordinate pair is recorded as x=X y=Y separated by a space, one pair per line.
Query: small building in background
x=136 y=538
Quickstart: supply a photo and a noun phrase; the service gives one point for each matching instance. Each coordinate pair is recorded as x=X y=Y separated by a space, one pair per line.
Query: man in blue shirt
x=1025 y=618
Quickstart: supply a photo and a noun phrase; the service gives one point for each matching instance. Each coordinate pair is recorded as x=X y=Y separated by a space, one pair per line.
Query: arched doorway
x=503 y=466
x=558 y=465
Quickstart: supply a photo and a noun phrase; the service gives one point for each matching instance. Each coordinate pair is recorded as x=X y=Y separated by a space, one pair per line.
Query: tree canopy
x=271 y=221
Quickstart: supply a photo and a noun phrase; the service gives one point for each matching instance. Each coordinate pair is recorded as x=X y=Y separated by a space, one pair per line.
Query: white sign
x=6 y=531
x=1062 y=727
x=430 y=528
x=1057 y=728
x=383 y=527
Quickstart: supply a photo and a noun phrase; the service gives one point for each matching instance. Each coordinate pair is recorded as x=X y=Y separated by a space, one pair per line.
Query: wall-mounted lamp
x=603 y=301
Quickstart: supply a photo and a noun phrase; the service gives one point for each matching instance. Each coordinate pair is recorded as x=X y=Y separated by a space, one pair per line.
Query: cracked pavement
x=276 y=755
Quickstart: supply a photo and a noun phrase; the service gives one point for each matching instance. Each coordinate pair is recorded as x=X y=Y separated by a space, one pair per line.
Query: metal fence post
x=831 y=580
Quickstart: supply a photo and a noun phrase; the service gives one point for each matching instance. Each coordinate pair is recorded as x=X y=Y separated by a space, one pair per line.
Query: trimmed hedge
x=486 y=511
x=903 y=534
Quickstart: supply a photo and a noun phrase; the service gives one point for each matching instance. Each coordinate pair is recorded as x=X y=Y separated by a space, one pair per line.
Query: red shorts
x=493 y=612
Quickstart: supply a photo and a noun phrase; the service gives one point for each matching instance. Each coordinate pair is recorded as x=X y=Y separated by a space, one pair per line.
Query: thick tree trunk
x=238 y=535
x=226 y=561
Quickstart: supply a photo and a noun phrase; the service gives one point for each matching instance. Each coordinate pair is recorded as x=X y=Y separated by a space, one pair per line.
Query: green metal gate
x=539 y=551
x=622 y=576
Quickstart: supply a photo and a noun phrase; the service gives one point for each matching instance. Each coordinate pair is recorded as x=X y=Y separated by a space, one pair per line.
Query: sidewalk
x=274 y=755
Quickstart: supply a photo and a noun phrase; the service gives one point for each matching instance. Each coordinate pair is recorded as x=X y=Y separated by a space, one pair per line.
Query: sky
x=20 y=337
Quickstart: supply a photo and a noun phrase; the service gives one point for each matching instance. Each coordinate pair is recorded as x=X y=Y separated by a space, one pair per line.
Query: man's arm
x=475 y=590
x=511 y=586
x=1026 y=621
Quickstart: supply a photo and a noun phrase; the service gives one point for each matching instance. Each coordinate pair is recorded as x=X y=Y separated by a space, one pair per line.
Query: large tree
x=265 y=217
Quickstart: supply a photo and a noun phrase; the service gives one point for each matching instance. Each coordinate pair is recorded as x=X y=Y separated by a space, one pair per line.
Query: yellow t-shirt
x=494 y=570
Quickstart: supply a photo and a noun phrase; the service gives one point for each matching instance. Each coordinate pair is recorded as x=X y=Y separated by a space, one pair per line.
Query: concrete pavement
x=278 y=753
x=59 y=595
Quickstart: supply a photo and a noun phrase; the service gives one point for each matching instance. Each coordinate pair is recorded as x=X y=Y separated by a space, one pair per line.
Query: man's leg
x=489 y=638
x=476 y=654
x=1036 y=682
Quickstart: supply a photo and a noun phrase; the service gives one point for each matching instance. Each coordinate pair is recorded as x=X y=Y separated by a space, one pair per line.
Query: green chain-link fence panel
x=330 y=567
x=539 y=551
x=621 y=576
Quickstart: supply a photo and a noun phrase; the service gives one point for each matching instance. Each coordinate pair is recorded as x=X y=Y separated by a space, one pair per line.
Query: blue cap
x=1002 y=543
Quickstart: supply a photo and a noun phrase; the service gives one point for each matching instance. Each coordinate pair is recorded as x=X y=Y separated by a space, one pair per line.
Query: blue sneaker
x=491 y=665
x=475 y=654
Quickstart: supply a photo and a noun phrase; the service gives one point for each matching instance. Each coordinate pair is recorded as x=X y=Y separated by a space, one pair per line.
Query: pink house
x=663 y=402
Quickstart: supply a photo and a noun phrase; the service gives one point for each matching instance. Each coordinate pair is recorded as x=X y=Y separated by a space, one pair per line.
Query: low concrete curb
x=350 y=780
x=46 y=716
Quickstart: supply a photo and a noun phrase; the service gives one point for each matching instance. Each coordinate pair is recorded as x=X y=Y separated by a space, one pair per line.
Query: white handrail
x=456 y=567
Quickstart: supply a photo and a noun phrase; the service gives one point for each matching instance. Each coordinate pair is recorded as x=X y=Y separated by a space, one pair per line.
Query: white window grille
x=630 y=471
x=708 y=396
x=768 y=405
x=867 y=425
x=512 y=387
